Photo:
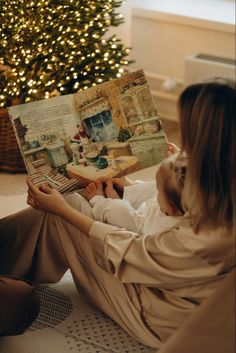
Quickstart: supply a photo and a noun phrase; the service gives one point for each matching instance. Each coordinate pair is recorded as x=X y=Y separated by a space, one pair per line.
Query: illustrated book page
x=43 y=129
x=110 y=129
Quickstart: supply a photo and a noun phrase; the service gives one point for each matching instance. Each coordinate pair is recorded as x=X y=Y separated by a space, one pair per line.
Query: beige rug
x=67 y=323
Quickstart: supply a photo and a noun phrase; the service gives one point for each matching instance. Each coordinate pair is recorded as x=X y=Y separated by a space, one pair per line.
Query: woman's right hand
x=172 y=149
x=118 y=183
x=122 y=182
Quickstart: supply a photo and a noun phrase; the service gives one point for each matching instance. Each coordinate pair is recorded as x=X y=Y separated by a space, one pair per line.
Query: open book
x=108 y=130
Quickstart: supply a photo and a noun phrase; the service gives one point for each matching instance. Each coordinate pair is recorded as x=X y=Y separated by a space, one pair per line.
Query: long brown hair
x=208 y=132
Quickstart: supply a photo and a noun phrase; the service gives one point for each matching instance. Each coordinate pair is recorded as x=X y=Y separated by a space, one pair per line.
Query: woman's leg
x=43 y=246
x=28 y=245
x=19 y=305
x=118 y=300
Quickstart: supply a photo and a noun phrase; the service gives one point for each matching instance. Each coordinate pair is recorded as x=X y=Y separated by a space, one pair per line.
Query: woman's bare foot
x=93 y=189
x=110 y=192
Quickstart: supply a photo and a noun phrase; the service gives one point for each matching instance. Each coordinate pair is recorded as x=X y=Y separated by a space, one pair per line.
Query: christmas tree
x=52 y=47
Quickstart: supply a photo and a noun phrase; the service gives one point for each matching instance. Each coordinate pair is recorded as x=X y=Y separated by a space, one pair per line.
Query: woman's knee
x=19 y=305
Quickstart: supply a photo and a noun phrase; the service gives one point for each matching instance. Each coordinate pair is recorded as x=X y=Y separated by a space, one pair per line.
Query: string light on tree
x=49 y=46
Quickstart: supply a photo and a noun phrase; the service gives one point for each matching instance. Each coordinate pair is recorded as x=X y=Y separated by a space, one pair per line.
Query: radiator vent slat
x=216 y=59
x=200 y=67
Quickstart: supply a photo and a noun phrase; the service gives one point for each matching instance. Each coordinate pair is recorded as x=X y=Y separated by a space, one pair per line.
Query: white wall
x=161 y=47
x=161 y=43
x=123 y=31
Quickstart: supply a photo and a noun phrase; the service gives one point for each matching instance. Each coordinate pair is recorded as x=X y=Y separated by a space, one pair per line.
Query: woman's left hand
x=45 y=199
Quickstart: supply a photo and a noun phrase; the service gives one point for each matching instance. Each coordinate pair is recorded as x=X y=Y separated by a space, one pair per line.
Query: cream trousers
x=42 y=247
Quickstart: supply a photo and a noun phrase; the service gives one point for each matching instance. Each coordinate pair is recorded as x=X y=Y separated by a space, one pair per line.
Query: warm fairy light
x=50 y=46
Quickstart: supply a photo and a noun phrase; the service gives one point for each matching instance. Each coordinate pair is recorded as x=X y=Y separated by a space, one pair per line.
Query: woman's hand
x=118 y=183
x=172 y=149
x=45 y=199
x=122 y=182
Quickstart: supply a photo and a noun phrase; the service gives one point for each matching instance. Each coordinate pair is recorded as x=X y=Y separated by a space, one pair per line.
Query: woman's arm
x=49 y=200
x=165 y=259
x=77 y=219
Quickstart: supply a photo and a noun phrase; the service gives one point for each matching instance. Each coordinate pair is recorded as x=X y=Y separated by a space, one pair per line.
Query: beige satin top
x=165 y=275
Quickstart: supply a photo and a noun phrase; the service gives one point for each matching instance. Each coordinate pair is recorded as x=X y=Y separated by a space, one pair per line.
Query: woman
x=148 y=284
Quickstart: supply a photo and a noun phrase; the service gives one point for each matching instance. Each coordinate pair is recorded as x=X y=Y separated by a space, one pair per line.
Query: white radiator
x=201 y=67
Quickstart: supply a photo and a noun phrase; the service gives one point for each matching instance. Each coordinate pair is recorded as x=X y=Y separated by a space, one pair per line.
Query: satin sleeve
x=167 y=260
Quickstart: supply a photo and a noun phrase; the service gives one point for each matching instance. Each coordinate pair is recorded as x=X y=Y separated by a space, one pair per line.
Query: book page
x=44 y=130
x=108 y=130
x=123 y=109
x=46 y=115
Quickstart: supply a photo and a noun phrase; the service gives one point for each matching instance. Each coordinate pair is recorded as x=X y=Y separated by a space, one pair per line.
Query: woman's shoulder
x=208 y=243
x=207 y=233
